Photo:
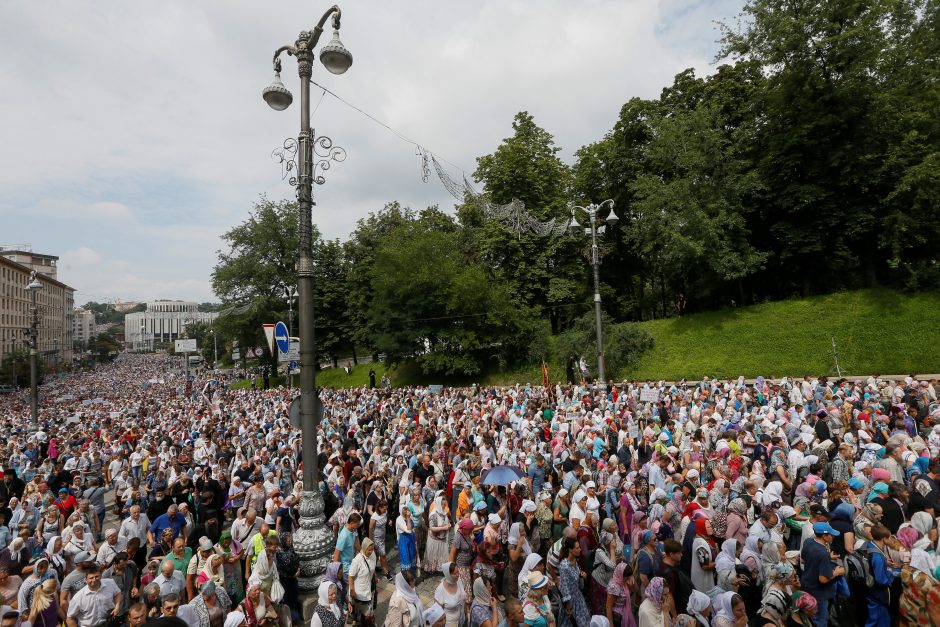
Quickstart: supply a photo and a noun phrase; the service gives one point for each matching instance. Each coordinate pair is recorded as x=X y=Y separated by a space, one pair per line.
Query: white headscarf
x=235 y=619
x=531 y=562
x=722 y=606
x=920 y=561
x=323 y=598
x=698 y=602
x=725 y=560
x=408 y=593
x=514 y=538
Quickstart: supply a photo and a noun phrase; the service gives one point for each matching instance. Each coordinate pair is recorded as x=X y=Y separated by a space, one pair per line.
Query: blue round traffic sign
x=292 y=365
x=282 y=337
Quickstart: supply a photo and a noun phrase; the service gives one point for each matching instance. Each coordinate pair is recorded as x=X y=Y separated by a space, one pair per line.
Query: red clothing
x=67 y=506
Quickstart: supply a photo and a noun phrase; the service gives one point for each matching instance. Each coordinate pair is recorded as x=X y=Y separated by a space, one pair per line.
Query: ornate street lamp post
x=594 y=230
x=33 y=287
x=313 y=539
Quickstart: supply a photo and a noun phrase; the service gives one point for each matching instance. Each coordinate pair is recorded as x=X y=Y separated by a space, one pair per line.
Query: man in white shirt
x=92 y=605
x=135 y=526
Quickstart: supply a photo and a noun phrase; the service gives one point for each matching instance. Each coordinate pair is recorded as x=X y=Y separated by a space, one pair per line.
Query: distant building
x=164 y=321
x=46 y=265
x=83 y=326
x=55 y=303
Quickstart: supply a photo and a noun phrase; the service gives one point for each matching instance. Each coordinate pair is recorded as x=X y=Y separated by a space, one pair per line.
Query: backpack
x=858 y=568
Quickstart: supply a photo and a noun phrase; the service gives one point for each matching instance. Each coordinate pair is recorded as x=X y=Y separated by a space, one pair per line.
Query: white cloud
x=137 y=130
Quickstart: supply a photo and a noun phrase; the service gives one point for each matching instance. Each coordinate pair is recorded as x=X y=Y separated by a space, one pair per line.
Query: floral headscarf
x=655 y=591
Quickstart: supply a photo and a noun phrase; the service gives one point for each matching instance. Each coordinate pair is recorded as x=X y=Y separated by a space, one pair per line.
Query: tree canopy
x=807 y=162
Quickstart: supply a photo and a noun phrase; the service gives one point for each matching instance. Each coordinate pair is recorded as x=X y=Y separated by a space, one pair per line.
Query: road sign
x=281 y=337
x=292 y=354
x=185 y=346
x=292 y=365
x=269 y=335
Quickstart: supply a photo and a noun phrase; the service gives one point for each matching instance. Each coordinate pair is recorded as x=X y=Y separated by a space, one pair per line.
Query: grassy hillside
x=875 y=331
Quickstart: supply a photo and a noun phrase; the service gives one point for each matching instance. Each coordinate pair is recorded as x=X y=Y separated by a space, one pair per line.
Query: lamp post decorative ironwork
x=33 y=287
x=313 y=540
x=593 y=229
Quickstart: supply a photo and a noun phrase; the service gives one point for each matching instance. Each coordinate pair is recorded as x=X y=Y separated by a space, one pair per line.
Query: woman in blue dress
x=407 y=548
x=574 y=610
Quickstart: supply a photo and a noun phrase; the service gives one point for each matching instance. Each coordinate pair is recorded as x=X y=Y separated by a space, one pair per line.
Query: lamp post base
x=313 y=541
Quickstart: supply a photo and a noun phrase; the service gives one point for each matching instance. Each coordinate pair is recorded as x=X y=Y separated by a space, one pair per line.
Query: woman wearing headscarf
x=718 y=496
x=574 y=611
x=651 y=612
x=461 y=554
x=543 y=520
x=334 y=572
x=212 y=571
x=288 y=569
x=781 y=577
x=803 y=608
x=729 y=611
x=738 y=526
x=703 y=554
x=605 y=561
x=327 y=612
x=924 y=523
x=484 y=610
x=265 y=569
x=407 y=548
x=57 y=559
x=866 y=519
x=699 y=607
x=362 y=583
x=640 y=524
x=231 y=553
x=619 y=603
x=629 y=505
x=451 y=596
x=532 y=562
x=725 y=565
x=519 y=549
x=920 y=601
x=437 y=550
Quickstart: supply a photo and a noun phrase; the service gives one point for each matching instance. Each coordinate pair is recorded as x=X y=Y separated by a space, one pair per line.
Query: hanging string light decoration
x=512 y=216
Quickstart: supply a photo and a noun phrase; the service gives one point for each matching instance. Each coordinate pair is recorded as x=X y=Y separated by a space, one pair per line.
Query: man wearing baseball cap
x=820 y=571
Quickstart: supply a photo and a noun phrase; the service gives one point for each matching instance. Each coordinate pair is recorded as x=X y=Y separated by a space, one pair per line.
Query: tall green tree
x=545 y=273
x=433 y=302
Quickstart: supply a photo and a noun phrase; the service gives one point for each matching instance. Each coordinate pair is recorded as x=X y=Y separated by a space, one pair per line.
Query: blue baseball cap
x=822 y=528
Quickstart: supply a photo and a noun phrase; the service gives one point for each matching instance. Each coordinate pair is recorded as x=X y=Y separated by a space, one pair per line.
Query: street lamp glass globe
x=334 y=56
x=573 y=226
x=34 y=285
x=276 y=95
x=612 y=219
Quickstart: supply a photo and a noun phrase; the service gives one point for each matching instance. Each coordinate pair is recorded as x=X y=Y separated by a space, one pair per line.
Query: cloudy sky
x=134 y=133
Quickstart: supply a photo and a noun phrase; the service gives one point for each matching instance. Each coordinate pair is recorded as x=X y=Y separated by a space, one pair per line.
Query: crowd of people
x=718 y=503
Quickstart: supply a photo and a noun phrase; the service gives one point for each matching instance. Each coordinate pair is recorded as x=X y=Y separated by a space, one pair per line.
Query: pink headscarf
x=908 y=536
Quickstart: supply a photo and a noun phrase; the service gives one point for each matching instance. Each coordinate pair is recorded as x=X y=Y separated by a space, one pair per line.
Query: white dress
x=453 y=604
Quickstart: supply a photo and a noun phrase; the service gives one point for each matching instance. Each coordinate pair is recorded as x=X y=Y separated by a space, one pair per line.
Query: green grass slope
x=875 y=331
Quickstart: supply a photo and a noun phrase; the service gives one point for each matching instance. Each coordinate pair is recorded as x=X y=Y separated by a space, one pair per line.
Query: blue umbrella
x=502 y=475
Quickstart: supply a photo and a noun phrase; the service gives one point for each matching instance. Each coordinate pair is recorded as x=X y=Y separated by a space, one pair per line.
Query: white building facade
x=54 y=303
x=83 y=326
x=164 y=321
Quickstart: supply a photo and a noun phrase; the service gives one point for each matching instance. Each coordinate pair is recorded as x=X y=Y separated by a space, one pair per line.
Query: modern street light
x=33 y=287
x=313 y=539
x=215 y=348
x=593 y=211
